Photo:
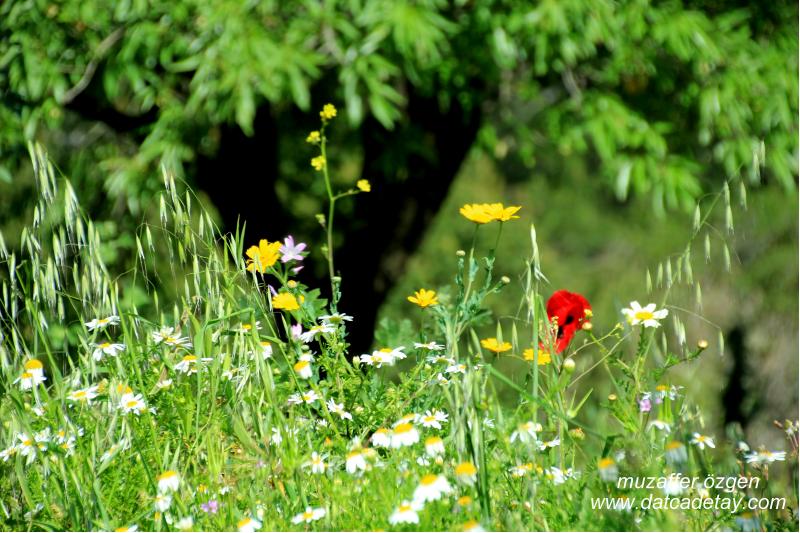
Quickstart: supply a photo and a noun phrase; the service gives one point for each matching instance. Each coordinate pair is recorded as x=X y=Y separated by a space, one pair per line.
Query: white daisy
x=434 y=446
x=112 y=349
x=433 y=419
x=307 y=397
x=456 y=369
x=163 y=502
x=248 y=525
x=27 y=380
x=335 y=319
x=647 y=316
x=189 y=364
x=83 y=395
x=520 y=470
x=314 y=331
x=701 y=441
x=659 y=425
x=130 y=402
x=382 y=438
x=316 y=463
x=432 y=346
x=355 y=461
x=309 y=515
x=100 y=323
x=338 y=409
x=245 y=328
x=440 y=359
x=303 y=369
x=168 y=481
x=765 y=457
x=404 y=434
x=526 y=432
x=431 y=487
x=266 y=349
x=466 y=473
x=171 y=337
x=406 y=513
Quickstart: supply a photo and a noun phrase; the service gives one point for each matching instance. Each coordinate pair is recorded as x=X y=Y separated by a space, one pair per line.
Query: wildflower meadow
x=239 y=405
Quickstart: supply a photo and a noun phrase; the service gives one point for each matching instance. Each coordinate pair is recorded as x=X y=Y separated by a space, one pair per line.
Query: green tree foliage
x=664 y=96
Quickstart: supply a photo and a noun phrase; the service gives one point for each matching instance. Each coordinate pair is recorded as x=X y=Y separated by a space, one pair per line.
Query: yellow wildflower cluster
x=328 y=112
x=364 y=185
x=318 y=162
x=485 y=213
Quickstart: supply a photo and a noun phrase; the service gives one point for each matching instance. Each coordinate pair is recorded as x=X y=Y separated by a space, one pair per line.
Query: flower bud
x=612 y=397
x=577 y=434
x=587 y=326
x=292 y=284
x=702 y=344
x=569 y=365
x=506 y=280
x=461 y=253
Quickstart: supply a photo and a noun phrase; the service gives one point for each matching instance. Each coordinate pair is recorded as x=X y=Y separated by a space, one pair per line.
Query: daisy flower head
x=107 y=348
x=247 y=327
x=382 y=438
x=266 y=349
x=306 y=397
x=433 y=419
x=675 y=452
x=646 y=316
x=132 y=403
x=459 y=368
x=406 y=513
x=163 y=502
x=314 y=331
x=466 y=473
x=335 y=319
x=472 y=526
x=338 y=409
x=309 y=515
x=303 y=369
x=764 y=457
x=431 y=346
x=356 y=461
x=27 y=446
x=434 y=446
x=171 y=337
x=607 y=468
x=28 y=381
x=701 y=441
x=521 y=470
x=424 y=298
x=100 y=323
x=185 y=524
x=525 y=432
x=502 y=213
x=291 y=251
x=659 y=425
x=127 y=529
x=558 y=476
x=493 y=345
x=189 y=364
x=248 y=525
x=316 y=463
x=431 y=488
x=168 y=481
x=83 y=395
x=404 y=434
x=35 y=368
x=263 y=256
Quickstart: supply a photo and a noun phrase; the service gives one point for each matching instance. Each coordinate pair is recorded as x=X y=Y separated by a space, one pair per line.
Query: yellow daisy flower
x=285 y=301
x=424 y=298
x=476 y=213
x=543 y=358
x=263 y=256
x=492 y=345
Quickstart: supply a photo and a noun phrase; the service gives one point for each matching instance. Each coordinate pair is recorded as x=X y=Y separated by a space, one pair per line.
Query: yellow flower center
x=428 y=479
x=674 y=445
x=605 y=463
x=33 y=364
x=105 y=345
x=643 y=315
x=404 y=508
x=79 y=394
x=466 y=469
x=403 y=428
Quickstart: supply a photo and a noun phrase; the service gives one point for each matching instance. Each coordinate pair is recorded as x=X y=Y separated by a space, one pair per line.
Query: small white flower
x=107 y=348
x=309 y=515
x=189 y=364
x=130 y=402
x=440 y=359
x=27 y=447
x=307 y=397
x=549 y=444
x=406 y=513
x=338 y=409
x=608 y=470
x=466 y=473
x=163 y=502
x=441 y=380
x=558 y=476
x=432 y=419
x=675 y=452
x=673 y=486
x=303 y=369
x=335 y=319
x=659 y=425
x=245 y=328
x=8 y=453
x=404 y=434
x=27 y=380
x=83 y=395
x=314 y=331
x=355 y=461
x=100 y=323
x=456 y=369
x=431 y=488
x=647 y=316
x=164 y=384
x=266 y=349
x=185 y=524
x=521 y=470
x=765 y=457
x=701 y=441
x=526 y=432
x=316 y=463
x=432 y=346
x=171 y=337
x=168 y=481
x=382 y=438
x=434 y=446
x=248 y=525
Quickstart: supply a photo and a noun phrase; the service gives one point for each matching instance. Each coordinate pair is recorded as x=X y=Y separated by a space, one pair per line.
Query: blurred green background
x=607 y=121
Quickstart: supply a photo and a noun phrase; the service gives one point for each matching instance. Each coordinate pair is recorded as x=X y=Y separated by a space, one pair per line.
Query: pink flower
x=291 y=251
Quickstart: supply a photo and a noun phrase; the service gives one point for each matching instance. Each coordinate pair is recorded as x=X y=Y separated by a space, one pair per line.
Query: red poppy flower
x=571 y=309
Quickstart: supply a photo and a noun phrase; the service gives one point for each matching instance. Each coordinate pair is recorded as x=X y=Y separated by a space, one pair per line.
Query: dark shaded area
x=733 y=397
